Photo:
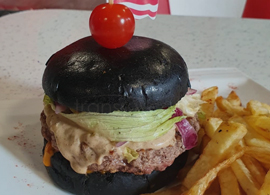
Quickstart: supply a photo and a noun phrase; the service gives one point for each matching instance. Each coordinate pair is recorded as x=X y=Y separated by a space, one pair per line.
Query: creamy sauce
x=82 y=148
x=161 y=142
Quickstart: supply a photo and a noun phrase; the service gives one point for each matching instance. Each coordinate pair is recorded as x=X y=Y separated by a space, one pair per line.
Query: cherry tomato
x=112 y=25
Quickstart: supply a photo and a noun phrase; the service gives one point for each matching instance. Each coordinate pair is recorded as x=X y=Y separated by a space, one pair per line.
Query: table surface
x=29 y=38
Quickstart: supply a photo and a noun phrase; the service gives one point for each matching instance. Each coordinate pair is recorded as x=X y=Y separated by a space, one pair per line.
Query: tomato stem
x=110 y=1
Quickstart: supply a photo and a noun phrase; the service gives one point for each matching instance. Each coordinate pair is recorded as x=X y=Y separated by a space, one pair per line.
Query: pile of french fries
x=233 y=152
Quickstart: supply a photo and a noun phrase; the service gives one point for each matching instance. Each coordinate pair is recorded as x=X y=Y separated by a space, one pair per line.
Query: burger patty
x=148 y=160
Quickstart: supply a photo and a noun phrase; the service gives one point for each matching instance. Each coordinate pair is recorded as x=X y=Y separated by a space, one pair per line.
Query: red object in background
x=141 y=8
x=49 y=4
x=253 y=8
x=163 y=7
x=257 y=9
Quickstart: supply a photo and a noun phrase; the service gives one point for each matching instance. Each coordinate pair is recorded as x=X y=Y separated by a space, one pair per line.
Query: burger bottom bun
x=117 y=183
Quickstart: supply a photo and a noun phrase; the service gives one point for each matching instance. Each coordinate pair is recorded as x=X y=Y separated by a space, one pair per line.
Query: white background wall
x=217 y=8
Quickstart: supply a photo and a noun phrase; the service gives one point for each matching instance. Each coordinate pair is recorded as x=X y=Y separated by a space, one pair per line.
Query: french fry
x=252 y=138
x=245 y=179
x=242 y=192
x=267 y=106
x=239 y=146
x=205 y=141
x=257 y=108
x=214 y=188
x=260 y=123
x=209 y=95
x=226 y=106
x=228 y=182
x=224 y=140
x=234 y=99
x=211 y=124
x=261 y=154
x=202 y=184
x=266 y=166
x=221 y=114
x=255 y=168
x=265 y=189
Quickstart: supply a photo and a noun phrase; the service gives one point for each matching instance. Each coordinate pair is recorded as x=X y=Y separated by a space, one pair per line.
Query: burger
x=117 y=121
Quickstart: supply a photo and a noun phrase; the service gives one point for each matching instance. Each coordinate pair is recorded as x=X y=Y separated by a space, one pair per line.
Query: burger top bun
x=143 y=75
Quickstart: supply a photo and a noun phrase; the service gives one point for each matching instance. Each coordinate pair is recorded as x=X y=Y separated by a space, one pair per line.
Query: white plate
x=21 y=168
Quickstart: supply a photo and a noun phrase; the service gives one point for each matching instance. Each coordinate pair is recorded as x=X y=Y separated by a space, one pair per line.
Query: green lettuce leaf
x=137 y=126
x=47 y=100
x=127 y=126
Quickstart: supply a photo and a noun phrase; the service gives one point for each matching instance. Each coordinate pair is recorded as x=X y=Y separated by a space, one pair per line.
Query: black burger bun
x=118 y=183
x=143 y=75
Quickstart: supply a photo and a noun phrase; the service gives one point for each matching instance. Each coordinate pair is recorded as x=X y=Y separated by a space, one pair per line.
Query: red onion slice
x=120 y=144
x=177 y=112
x=191 y=91
x=59 y=108
x=188 y=133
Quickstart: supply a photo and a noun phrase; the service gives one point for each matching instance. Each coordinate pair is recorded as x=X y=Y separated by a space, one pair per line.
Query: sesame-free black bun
x=145 y=74
x=118 y=183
